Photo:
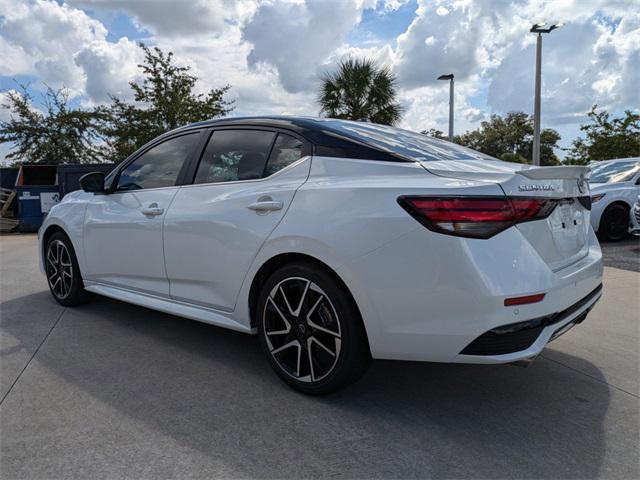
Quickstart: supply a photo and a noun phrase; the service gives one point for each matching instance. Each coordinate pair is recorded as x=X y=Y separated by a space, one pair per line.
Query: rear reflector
x=475 y=217
x=510 y=302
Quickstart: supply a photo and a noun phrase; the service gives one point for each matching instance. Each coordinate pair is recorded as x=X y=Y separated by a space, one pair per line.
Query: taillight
x=475 y=217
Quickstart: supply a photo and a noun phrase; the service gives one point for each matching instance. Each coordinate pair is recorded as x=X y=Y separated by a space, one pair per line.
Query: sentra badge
x=536 y=188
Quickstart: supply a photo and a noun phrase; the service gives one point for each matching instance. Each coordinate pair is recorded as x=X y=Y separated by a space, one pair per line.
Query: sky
x=274 y=52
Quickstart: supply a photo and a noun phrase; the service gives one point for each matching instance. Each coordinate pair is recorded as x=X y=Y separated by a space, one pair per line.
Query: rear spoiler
x=555 y=173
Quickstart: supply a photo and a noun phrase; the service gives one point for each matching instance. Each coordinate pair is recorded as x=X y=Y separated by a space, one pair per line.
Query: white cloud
x=273 y=52
x=63 y=46
x=173 y=18
x=487 y=45
x=296 y=38
x=109 y=67
x=48 y=34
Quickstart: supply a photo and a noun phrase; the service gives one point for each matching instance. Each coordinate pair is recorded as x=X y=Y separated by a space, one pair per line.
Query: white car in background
x=334 y=242
x=615 y=186
x=634 y=229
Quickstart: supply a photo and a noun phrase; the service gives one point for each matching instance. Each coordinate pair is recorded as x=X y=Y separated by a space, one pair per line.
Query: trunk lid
x=563 y=237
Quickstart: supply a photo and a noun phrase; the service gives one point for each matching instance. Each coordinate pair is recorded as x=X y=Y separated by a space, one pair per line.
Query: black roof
x=315 y=129
x=327 y=135
x=332 y=137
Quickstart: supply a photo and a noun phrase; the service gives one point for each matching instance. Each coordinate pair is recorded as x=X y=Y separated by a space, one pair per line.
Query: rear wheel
x=63 y=273
x=310 y=330
x=614 y=223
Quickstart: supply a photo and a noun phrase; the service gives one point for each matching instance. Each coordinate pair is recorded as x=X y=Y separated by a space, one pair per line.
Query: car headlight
x=597 y=198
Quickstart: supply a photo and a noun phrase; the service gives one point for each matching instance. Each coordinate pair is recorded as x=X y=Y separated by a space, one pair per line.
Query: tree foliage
x=510 y=138
x=360 y=90
x=435 y=133
x=606 y=137
x=59 y=134
x=165 y=99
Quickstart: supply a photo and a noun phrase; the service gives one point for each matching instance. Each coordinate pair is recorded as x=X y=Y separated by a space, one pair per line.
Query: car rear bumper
x=428 y=296
x=526 y=340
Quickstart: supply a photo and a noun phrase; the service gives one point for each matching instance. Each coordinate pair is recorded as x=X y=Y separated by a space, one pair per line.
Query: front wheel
x=310 y=330
x=63 y=273
x=614 y=223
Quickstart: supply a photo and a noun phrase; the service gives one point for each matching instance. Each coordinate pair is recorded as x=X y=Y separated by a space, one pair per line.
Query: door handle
x=265 y=206
x=152 y=210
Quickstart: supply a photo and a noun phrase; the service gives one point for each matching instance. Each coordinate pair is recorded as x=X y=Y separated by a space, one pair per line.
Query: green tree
x=360 y=90
x=435 y=133
x=164 y=100
x=510 y=138
x=59 y=134
x=606 y=137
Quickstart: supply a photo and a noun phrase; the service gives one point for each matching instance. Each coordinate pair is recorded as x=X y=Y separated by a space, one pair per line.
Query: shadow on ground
x=210 y=391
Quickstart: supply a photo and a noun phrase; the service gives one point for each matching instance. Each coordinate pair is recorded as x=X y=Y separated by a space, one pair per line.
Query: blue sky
x=273 y=52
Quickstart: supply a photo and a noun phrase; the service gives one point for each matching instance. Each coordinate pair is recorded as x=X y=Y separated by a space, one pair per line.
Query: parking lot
x=115 y=390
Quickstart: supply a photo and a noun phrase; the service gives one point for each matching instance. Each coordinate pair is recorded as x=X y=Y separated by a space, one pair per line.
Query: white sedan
x=634 y=228
x=615 y=186
x=335 y=242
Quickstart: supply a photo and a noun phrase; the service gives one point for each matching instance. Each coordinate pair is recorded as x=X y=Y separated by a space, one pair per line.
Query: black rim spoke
x=302 y=329
x=59 y=269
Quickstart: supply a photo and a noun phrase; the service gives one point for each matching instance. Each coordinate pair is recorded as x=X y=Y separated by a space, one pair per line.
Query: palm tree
x=360 y=90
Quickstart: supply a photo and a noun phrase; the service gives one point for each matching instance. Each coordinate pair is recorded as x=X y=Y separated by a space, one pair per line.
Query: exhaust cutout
x=524 y=363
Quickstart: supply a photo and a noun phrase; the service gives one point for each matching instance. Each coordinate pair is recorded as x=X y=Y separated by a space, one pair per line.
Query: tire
x=303 y=312
x=62 y=271
x=614 y=224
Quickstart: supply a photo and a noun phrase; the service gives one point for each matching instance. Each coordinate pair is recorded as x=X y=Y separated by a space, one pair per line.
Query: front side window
x=286 y=150
x=233 y=155
x=158 y=167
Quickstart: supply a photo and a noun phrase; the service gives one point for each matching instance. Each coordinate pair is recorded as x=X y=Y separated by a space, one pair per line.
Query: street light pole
x=536 y=102
x=450 y=78
x=538 y=28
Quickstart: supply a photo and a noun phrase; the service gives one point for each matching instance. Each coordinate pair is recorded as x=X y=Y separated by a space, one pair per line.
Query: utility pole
x=450 y=78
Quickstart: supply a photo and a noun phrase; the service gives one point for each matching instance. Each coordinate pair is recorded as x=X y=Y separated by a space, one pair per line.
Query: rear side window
x=159 y=166
x=233 y=155
x=401 y=143
x=286 y=150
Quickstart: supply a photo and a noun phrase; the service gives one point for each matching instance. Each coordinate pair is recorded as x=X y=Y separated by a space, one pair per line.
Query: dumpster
x=8 y=203
x=37 y=191
x=8 y=176
x=34 y=201
x=69 y=175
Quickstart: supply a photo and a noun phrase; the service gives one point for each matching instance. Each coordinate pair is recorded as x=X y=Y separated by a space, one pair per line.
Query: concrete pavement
x=113 y=390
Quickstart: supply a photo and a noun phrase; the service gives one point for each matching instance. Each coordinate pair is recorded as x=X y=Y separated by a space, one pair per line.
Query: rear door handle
x=265 y=206
x=152 y=210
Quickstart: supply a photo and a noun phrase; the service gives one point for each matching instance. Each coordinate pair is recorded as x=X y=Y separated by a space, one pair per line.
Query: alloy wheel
x=59 y=269
x=617 y=222
x=302 y=329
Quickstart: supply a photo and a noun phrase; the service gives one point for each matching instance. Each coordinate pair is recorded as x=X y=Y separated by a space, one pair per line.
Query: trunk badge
x=536 y=188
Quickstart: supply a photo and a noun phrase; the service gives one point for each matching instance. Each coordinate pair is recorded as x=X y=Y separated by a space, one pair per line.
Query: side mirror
x=92 y=182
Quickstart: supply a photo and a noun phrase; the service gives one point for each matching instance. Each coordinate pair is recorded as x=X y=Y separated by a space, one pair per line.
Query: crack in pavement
x=590 y=376
x=33 y=355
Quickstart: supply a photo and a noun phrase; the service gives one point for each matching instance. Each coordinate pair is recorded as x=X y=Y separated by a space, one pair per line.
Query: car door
x=214 y=228
x=123 y=228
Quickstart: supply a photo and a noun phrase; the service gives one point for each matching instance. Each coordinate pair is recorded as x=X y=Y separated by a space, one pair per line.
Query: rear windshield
x=404 y=143
x=614 y=172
